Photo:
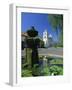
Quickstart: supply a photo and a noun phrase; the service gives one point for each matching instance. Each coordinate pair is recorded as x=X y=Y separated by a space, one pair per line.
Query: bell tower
x=45 y=38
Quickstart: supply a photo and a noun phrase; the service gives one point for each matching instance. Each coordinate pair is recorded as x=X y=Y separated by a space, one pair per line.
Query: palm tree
x=56 y=21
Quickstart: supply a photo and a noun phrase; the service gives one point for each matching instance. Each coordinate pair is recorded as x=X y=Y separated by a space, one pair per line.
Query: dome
x=50 y=36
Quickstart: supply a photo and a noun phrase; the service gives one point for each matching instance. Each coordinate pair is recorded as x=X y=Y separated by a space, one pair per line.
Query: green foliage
x=57 y=23
x=56 y=70
x=34 y=42
x=24 y=65
x=56 y=61
x=40 y=69
x=45 y=71
x=36 y=70
x=26 y=73
x=32 y=32
x=39 y=43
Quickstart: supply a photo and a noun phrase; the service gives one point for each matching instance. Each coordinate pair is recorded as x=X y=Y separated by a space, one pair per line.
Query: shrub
x=32 y=32
x=26 y=73
x=36 y=70
x=45 y=71
x=56 y=70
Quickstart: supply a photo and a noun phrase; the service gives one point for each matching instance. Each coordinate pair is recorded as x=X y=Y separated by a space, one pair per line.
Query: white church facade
x=47 y=38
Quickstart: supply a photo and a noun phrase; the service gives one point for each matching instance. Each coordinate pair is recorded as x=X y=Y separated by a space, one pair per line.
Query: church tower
x=45 y=38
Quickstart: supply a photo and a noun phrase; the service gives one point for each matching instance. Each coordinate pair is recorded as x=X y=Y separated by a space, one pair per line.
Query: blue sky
x=39 y=21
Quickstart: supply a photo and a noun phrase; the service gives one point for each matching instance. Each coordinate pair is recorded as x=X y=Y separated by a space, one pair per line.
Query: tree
x=32 y=44
x=56 y=21
x=39 y=43
x=32 y=32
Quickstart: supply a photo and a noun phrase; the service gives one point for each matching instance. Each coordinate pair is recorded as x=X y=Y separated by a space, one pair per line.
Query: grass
x=56 y=61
